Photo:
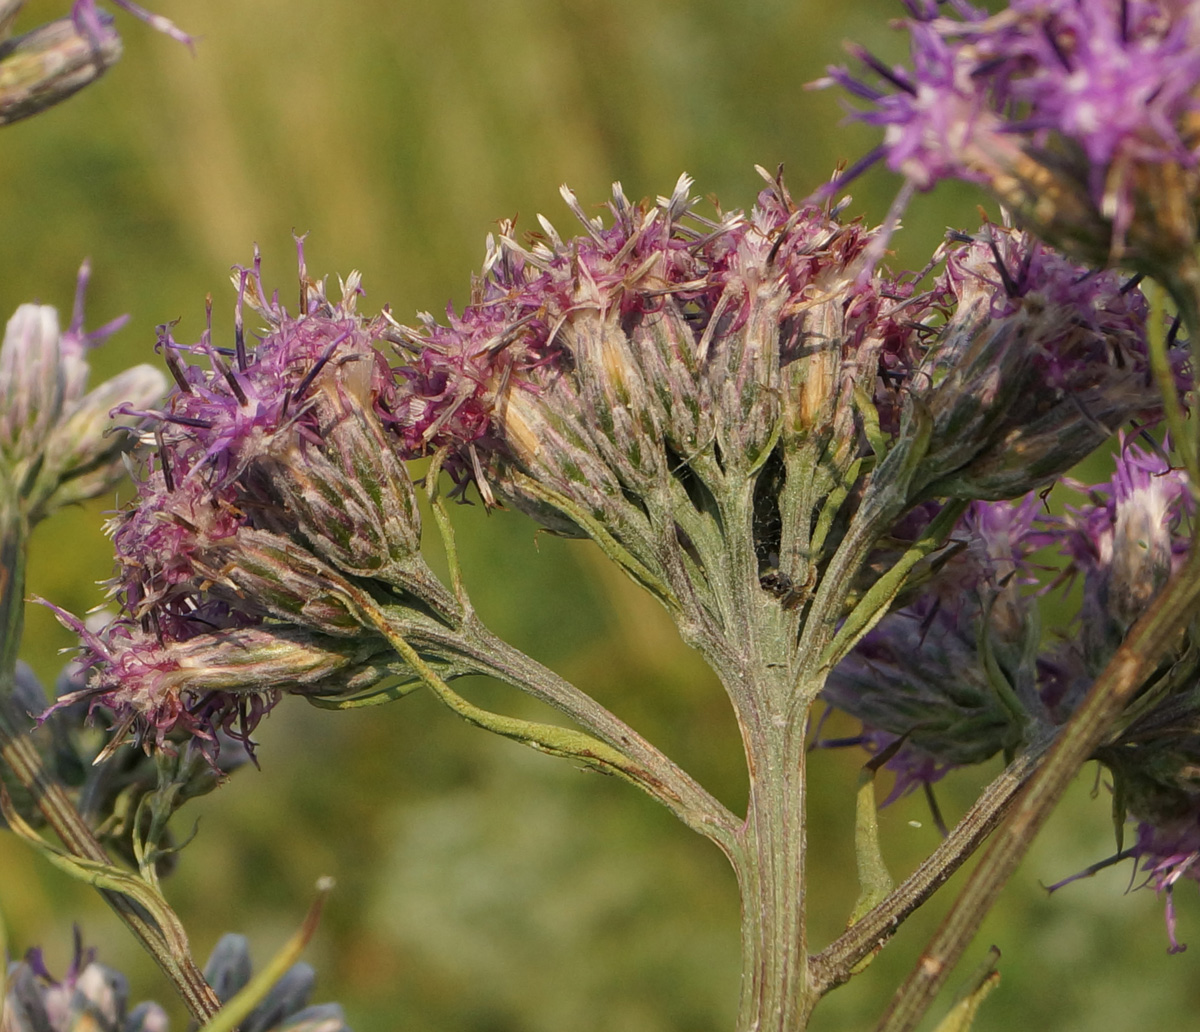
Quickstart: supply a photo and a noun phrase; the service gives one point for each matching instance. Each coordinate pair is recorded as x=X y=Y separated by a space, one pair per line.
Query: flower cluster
x=1081 y=117
x=962 y=672
x=91 y=996
x=690 y=391
x=268 y=467
x=617 y=384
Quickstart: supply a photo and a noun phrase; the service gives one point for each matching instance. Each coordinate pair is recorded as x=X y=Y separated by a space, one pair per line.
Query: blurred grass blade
x=9 y=9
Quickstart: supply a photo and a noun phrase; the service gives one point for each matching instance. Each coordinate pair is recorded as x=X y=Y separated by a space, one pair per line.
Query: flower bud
x=32 y=381
x=348 y=492
x=56 y=441
x=229 y=679
x=1124 y=542
x=89 y=996
x=283 y=1009
x=50 y=63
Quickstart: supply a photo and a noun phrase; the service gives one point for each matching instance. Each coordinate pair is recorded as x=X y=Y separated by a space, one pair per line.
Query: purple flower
x=252 y=492
x=1036 y=361
x=1166 y=855
x=1067 y=111
x=950 y=673
x=93 y=997
x=1123 y=542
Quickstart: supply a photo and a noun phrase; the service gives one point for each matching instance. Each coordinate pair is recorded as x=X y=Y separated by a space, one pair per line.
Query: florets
x=1069 y=112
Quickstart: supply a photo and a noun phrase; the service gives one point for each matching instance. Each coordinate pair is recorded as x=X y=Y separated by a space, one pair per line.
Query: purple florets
x=1119 y=79
x=254 y=404
x=1044 y=90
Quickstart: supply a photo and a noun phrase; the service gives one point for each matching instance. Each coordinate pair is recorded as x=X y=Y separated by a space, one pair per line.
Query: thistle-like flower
x=954 y=673
x=722 y=403
x=1081 y=118
x=89 y=995
x=271 y=493
x=961 y=673
x=623 y=383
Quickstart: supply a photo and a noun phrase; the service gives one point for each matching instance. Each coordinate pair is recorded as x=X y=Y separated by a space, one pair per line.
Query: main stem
x=776 y=991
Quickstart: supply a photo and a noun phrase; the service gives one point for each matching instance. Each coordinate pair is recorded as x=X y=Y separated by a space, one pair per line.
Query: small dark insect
x=779 y=584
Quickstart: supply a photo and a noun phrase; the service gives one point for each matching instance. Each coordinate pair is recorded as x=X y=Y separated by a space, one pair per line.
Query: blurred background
x=482 y=887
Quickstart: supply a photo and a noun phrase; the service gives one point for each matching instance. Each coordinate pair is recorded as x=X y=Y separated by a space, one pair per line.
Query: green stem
x=659 y=775
x=177 y=964
x=777 y=995
x=834 y=965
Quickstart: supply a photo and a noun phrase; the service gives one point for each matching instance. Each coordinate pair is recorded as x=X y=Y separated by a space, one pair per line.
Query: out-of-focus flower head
x=1080 y=117
x=954 y=672
x=56 y=447
x=1123 y=542
x=1039 y=363
x=88 y=996
x=962 y=672
x=285 y=1008
x=93 y=997
x=50 y=63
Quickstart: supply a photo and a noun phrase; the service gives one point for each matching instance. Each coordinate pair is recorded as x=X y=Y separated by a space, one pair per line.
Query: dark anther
x=319 y=365
x=164 y=459
x=177 y=369
x=1052 y=39
x=231 y=378
x=201 y=424
x=883 y=71
x=1010 y=286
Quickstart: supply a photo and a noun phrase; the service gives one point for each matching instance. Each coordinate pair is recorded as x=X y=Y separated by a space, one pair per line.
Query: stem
x=18 y=754
x=20 y=757
x=777 y=995
x=662 y=778
x=1156 y=632
x=834 y=965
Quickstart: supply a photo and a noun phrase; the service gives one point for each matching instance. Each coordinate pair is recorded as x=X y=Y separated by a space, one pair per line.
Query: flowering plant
x=831 y=475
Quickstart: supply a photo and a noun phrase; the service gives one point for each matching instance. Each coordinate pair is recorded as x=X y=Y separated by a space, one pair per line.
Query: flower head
x=272 y=485
x=91 y=996
x=952 y=673
x=56 y=447
x=1080 y=117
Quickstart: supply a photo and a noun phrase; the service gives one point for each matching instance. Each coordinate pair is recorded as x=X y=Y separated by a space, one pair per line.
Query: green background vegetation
x=482 y=887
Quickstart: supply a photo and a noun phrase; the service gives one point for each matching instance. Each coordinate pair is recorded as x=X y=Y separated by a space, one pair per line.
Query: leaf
x=982 y=981
x=230 y=1016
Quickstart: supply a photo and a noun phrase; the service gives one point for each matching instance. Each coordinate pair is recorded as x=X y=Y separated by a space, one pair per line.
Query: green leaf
x=984 y=979
x=230 y=1016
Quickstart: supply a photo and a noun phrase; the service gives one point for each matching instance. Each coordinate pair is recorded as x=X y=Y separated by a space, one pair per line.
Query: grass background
x=482 y=887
